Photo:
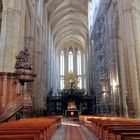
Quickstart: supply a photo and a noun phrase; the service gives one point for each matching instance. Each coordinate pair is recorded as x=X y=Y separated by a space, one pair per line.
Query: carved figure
x=23 y=60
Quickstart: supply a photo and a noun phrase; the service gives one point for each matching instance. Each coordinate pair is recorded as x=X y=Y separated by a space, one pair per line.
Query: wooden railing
x=11 y=108
x=11 y=98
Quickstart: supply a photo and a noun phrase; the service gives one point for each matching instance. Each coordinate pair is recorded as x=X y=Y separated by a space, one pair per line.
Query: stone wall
x=24 y=24
x=121 y=48
x=129 y=44
x=35 y=40
x=12 y=33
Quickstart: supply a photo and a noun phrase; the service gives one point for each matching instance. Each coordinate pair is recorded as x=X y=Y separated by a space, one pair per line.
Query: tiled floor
x=72 y=130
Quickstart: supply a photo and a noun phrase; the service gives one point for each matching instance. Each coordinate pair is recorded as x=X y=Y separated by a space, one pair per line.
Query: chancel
x=71 y=98
x=67 y=66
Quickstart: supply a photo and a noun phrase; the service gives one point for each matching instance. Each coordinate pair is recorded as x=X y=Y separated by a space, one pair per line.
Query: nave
x=73 y=130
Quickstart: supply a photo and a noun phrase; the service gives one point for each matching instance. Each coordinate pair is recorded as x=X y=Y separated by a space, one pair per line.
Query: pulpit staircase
x=11 y=100
x=19 y=103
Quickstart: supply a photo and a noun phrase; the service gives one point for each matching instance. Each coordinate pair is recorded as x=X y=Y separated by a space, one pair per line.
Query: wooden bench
x=127 y=136
x=39 y=129
x=17 y=137
x=136 y=138
x=111 y=131
x=36 y=133
x=26 y=130
x=108 y=128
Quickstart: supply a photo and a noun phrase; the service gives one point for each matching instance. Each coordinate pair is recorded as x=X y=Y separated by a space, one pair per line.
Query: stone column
x=1 y=81
x=12 y=33
x=136 y=33
x=122 y=80
x=82 y=68
x=131 y=46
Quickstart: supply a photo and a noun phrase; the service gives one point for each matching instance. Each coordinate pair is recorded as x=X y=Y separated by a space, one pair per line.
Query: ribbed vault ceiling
x=69 y=21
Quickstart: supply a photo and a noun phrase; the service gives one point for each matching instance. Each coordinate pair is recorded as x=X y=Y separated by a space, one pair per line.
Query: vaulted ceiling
x=68 y=21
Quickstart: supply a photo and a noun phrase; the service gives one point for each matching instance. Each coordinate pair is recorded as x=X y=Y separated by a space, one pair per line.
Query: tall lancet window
x=62 y=63
x=80 y=82
x=62 y=70
x=62 y=83
x=79 y=63
x=70 y=58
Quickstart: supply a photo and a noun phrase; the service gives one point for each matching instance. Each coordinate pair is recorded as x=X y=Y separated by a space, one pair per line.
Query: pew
x=115 y=128
x=103 y=132
x=35 y=133
x=36 y=128
x=17 y=137
x=127 y=136
x=112 y=131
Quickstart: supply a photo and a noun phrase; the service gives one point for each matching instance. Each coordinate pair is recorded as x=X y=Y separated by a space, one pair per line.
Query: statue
x=23 y=60
x=70 y=80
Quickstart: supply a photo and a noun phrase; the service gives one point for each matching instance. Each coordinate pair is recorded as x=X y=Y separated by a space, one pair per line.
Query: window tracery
x=71 y=61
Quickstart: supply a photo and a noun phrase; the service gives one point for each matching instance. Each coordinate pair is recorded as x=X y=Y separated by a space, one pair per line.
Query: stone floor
x=73 y=130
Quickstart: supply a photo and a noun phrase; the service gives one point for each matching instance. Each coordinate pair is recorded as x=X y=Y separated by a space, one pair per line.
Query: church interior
x=69 y=70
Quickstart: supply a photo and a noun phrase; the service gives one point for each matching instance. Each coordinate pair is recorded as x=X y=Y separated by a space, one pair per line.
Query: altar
x=72 y=110
x=72 y=113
